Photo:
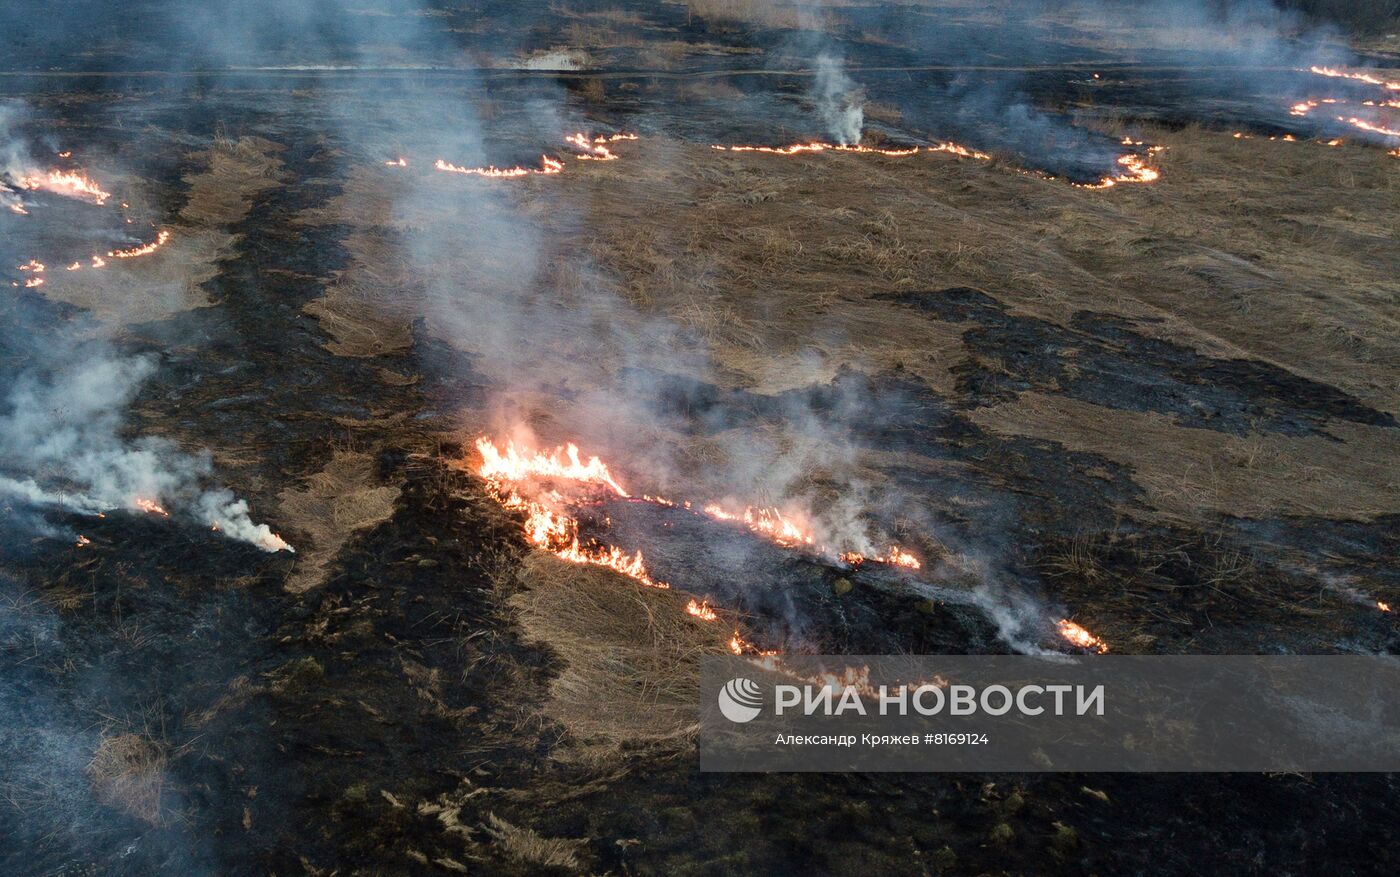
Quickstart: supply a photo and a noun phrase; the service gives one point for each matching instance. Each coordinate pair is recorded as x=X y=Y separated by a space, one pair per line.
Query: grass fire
x=445 y=438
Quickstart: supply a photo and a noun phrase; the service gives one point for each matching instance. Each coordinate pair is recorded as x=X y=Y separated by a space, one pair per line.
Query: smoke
x=838 y=99
x=60 y=439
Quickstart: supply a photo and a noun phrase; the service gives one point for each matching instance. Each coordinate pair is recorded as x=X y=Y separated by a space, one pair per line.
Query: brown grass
x=128 y=772
x=629 y=653
x=530 y=848
x=329 y=508
x=1190 y=474
x=168 y=282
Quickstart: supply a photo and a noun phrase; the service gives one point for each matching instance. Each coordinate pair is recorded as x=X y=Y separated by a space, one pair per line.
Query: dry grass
x=1191 y=474
x=128 y=772
x=774 y=268
x=762 y=13
x=158 y=286
x=629 y=653
x=530 y=848
x=236 y=172
x=329 y=508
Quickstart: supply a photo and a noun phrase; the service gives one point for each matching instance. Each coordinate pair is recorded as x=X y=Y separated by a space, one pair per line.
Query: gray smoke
x=838 y=99
x=62 y=446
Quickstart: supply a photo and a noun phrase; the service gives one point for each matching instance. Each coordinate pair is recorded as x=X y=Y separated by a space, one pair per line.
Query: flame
x=702 y=611
x=512 y=474
x=805 y=148
x=33 y=282
x=1383 y=606
x=547 y=166
x=896 y=556
x=1358 y=77
x=397 y=162
x=75 y=266
x=143 y=250
x=32 y=265
x=767 y=522
x=83 y=540
x=150 y=506
x=71 y=184
x=597 y=148
x=1080 y=637
x=1370 y=127
x=1137 y=171
x=563 y=463
x=740 y=646
x=98 y=261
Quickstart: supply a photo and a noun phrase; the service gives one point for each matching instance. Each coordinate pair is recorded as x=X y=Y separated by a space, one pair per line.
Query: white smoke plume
x=839 y=100
x=61 y=445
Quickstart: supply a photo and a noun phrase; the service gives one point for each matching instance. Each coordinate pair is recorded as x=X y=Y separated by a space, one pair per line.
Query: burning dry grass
x=776 y=267
x=128 y=772
x=169 y=278
x=329 y=508
x=629 y=654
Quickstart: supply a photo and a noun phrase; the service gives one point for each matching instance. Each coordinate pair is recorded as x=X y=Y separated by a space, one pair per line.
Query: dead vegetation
x=140 y=290
x=128 y=772
x=329 y=508
x=530 y=848
x=629 y=654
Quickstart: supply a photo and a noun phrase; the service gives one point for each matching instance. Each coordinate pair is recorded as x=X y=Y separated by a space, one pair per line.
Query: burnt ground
x=390 y=720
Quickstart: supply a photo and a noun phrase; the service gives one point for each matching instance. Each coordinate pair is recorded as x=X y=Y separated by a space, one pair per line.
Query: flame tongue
x=68 y=183
x=1078 y=636
x=545 y=487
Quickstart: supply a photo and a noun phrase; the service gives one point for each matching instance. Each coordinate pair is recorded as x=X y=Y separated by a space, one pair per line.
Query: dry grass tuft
x=530 y=848
x=128 y=771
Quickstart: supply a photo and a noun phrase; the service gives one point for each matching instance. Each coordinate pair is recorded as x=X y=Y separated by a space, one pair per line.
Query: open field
x=1117 y=345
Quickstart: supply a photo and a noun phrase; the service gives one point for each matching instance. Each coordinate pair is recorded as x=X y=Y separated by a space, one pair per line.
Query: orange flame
x=767 y=522
x=1370 y=127
x=806 y=148
x=143 y=250
x=896 y=556
x=1359 y=77
x=1137 y=171
x=547 y=166
x=1383 y=606
x=511 y=474
x=1080 y=637
x=597 y=148
x=83 y=540
x=150 y=506
x=68 y=183
x=563 y=463
x=701 y=610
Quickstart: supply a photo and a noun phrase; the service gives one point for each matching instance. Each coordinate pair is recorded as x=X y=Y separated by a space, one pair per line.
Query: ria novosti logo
x=740 y=700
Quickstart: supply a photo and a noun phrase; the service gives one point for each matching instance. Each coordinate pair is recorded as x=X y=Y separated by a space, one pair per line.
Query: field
x=1088 y=343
